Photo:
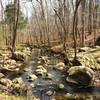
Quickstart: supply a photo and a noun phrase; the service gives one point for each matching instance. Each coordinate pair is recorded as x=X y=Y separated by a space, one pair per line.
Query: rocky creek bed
x=47 y=78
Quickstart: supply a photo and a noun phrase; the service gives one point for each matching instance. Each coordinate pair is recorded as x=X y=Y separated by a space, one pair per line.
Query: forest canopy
x=51 y=22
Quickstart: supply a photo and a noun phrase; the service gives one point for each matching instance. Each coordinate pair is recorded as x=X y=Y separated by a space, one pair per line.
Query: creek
x=57 y=88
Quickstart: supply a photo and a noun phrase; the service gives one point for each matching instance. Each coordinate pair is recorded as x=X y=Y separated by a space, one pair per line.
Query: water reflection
x=68 y=93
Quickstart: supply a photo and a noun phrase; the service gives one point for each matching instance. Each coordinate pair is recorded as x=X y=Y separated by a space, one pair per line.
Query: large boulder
x=80 y=75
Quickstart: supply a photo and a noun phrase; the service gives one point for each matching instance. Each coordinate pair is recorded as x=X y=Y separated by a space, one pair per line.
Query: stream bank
x=45 y=76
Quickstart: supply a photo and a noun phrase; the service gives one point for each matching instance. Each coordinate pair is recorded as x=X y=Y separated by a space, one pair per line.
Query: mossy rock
x=80 y=75
x=84 y=49
x=87 y=60
x=41 y=70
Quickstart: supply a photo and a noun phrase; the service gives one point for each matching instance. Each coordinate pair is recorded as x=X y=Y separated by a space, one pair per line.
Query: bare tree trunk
x=74 y=29
x=90 y=17
x=15 y=22
x=83 y=23
x=61 y=14
x=47 y=23
x=3 y=22
x=95 y=10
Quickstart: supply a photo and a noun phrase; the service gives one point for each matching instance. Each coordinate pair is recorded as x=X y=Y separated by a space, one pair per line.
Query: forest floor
x=89 y=57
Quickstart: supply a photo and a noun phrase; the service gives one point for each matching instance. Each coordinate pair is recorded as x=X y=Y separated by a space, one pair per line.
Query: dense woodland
x=68 y=30
x=50 y=22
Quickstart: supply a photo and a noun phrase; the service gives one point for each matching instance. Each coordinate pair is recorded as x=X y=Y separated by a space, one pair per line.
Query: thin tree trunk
x=74 y=29
x=15 y=22
x=82 y=19
x=90 y=17
x=37 y=21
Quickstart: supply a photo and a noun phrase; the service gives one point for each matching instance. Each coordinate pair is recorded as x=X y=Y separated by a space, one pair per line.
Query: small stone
x=84 y=49
x=98 y=60
x=17 y=86
x=61 y=86
x=61 y=64
x=18 y=81
x=40 y=66
x=32 y=85
x=27 y=70
x=17 y=69
x=49 y=76
x=39 y=62
x=12 y=67
x=49 y=93
x=19 y=64
x=1 y=75
x=13 y=62
x=31 y=77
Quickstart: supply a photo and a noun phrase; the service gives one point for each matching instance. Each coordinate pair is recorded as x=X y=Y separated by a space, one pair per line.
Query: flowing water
x=42 y=85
